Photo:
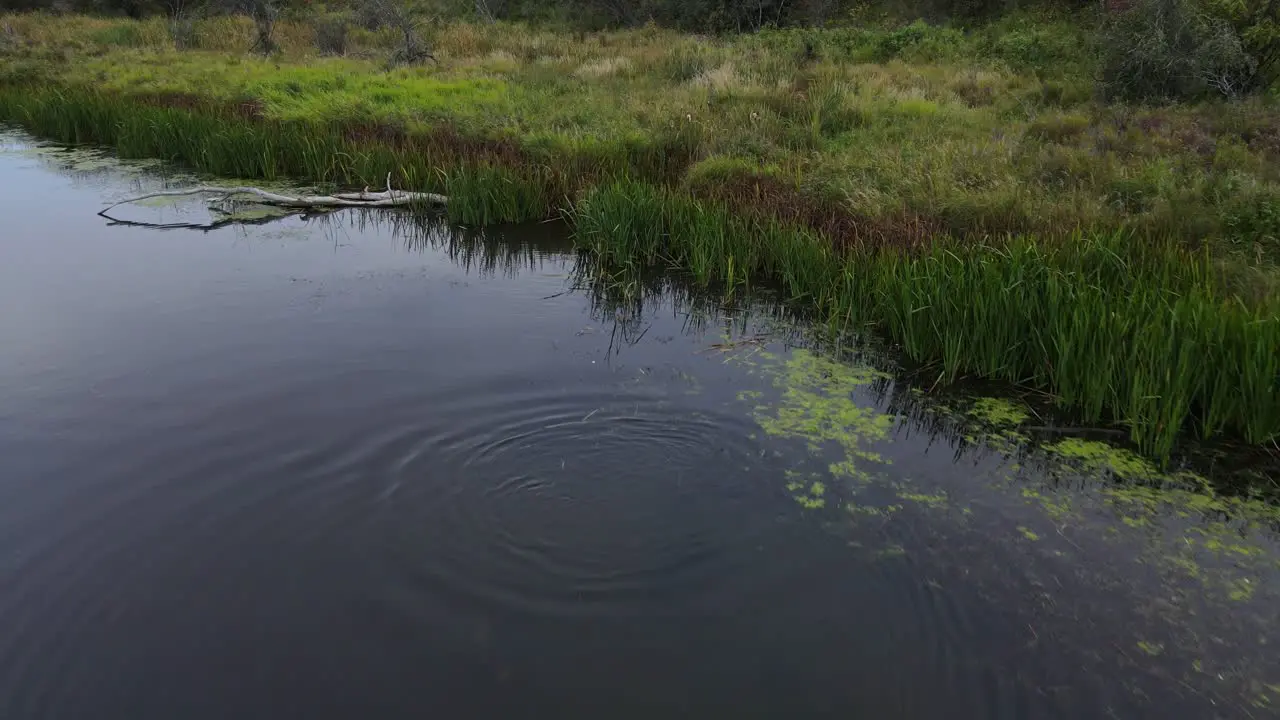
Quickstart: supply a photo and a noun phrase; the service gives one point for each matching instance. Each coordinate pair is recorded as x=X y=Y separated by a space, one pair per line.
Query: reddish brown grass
x=770 y=197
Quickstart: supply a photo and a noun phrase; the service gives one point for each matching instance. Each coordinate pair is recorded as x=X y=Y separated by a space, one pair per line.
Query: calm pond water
x=353 y=467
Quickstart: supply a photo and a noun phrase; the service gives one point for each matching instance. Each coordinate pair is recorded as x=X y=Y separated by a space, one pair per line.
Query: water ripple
x=556 y=502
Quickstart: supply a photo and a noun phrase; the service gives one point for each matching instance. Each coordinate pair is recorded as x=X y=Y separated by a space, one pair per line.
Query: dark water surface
x=334 y=469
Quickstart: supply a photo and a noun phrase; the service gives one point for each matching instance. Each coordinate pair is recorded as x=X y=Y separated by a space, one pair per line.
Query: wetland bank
x=881 y=369
x=995 y=197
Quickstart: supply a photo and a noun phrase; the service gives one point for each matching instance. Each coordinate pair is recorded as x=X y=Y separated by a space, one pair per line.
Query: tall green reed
x=227 y=145
x=1119 y=329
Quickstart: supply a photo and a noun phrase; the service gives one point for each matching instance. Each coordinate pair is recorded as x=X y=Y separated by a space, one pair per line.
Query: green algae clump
x=818 y=406
x=1094 y=456
x=998 y=412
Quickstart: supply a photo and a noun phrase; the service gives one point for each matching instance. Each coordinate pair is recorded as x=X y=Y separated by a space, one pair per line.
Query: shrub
x=1052 y=49
x=264 y=14
x=1059 y=166
x=1254 y=220
x=1063 y=93
x=1058 y=128
x=919 y=40
x=183 y=31
x=331 y=34
x=8 y=38
x=1257 y=23
x=976 y=90
x=685 y=62
x=1170 y=50
x=119 y=35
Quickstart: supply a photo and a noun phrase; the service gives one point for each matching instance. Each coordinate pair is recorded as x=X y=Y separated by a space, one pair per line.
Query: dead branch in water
x=364 y=199
x=229 y=221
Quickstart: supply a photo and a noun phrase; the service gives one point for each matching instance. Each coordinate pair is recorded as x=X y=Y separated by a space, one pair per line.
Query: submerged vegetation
x=965 y=191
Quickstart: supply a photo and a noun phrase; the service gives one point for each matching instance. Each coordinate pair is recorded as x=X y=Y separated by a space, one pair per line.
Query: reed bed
x=220 y=143
x=1118 y=329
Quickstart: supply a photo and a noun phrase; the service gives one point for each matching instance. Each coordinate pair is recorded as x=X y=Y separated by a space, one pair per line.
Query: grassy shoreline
x=666 y=149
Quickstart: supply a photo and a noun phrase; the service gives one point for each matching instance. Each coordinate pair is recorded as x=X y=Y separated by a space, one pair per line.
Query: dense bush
x=1257 y=23
x=919 y=40
x=1173 y=49
x=331 y=33
x=1046 y=44
x=690 y=15
x=183 y=31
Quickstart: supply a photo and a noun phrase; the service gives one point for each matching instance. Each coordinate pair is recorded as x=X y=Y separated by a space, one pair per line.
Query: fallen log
x=363 y=199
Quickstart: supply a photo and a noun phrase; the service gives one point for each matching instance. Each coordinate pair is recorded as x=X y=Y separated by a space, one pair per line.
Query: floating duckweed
x=1240 y=589
x=935 y=501
x=989 y=421
x=998 y=412
x=818 y=407
x=810 y=503
x=255 y=213
x=811 y=496
x=1152 y=649
x=871 y=511
x=817 y=401
x=1148 y=492
x=848 y=469
x=1096 y=456
x=1185 y=564
x=893 y=551
x=822 y=406
x=1189 y=495
x=1215 y=544
x=1057 y=507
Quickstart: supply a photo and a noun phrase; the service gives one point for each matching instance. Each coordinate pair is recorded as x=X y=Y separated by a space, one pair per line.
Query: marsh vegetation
x=1018 y=196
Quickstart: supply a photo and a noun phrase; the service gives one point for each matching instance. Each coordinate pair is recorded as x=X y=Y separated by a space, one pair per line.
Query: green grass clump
x=485 y=195
x=628 y=222
x=128 y=36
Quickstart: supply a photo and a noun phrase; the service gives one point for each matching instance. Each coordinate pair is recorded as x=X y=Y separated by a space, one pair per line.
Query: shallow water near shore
x=371 y=466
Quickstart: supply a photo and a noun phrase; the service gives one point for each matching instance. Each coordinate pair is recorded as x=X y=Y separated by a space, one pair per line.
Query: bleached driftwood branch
x=363 y=199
